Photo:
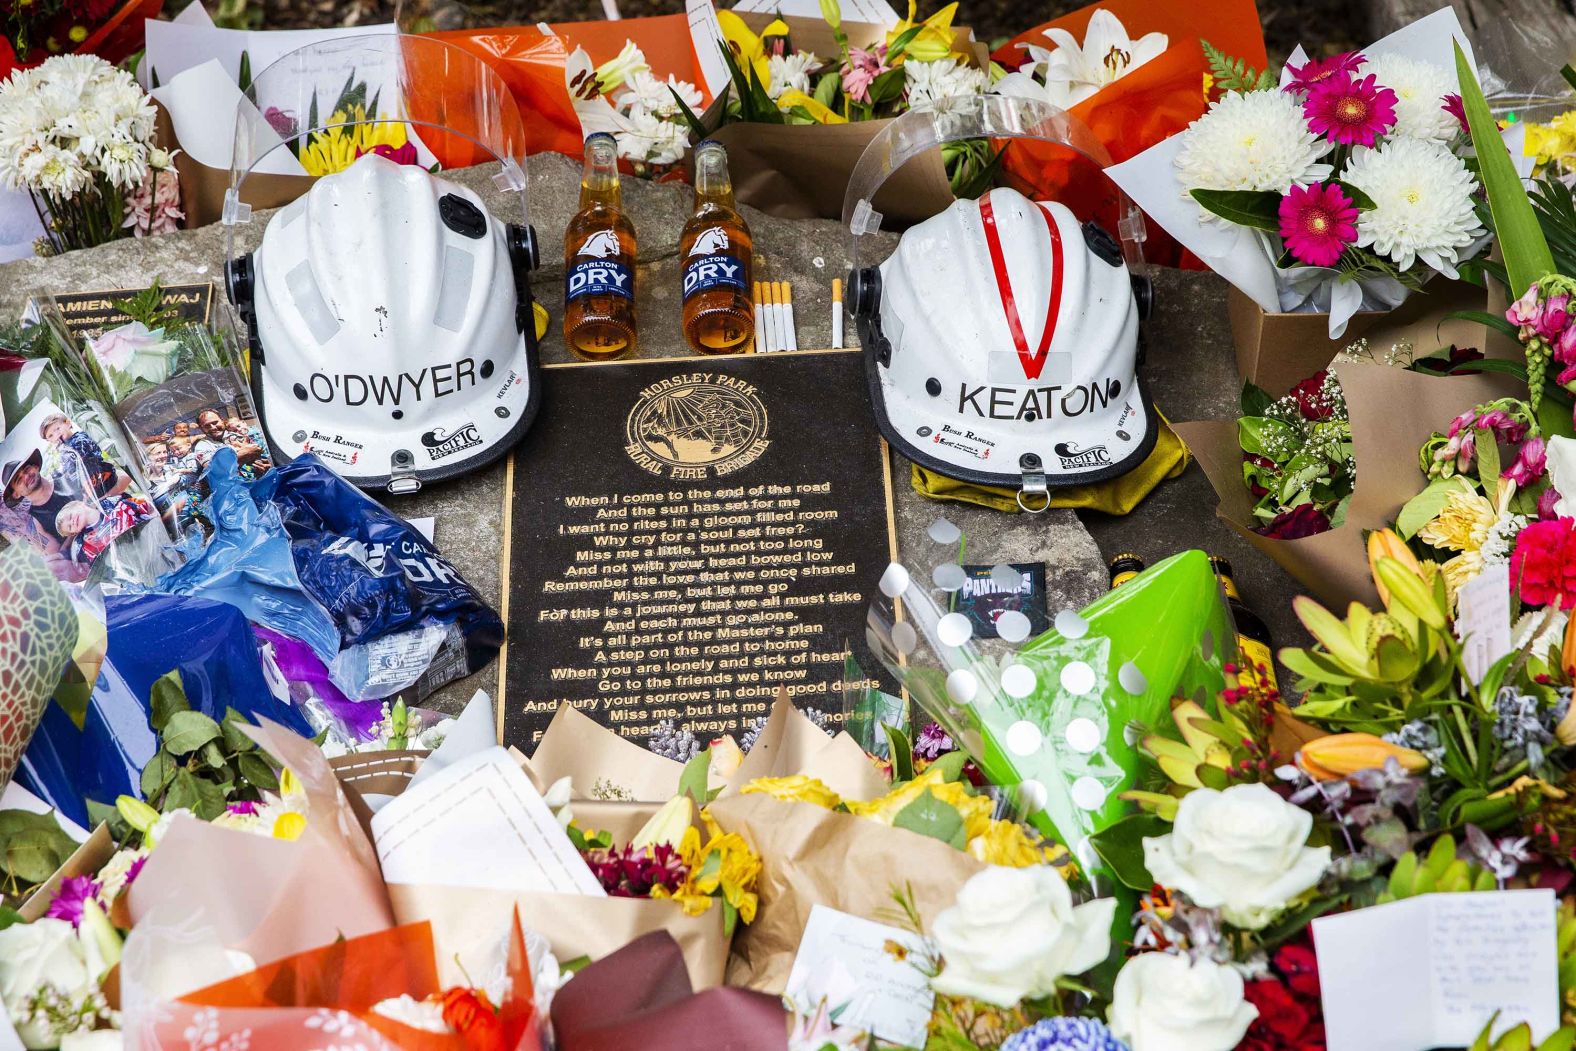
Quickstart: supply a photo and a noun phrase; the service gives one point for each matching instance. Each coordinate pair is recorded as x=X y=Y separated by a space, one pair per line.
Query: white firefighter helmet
x=390 y=313
x=1002 y=336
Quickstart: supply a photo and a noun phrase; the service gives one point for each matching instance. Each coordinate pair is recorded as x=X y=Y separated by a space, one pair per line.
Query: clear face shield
x=981 y=368
x=419 y=102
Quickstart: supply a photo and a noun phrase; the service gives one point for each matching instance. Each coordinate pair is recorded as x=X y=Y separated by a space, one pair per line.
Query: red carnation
x=1300 y=965
x=1302 y=520
x=1543 y=566
x=1285 y=1021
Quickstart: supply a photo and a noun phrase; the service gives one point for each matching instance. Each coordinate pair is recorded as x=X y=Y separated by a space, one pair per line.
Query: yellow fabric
x=540 y=313
x=1168 y=459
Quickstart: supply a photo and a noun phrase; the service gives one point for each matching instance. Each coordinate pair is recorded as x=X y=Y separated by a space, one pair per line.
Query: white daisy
x=791 y=72
x=1253 y=141
x=650 y=139
x=930 y=82
x=1422 y=196
x=644 y=90
x=1420 y=89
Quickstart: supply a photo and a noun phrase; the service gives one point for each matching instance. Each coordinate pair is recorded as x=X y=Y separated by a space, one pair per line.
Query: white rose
x=1242 y=851
x=1168 y=1003
x=92 y=1040
x=35 y=956
x=1013 y=932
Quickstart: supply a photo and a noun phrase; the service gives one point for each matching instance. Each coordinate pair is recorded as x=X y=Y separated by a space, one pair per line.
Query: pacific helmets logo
x=710 y=242
x=603 y=244
x=441 y=443
x=1076 y=459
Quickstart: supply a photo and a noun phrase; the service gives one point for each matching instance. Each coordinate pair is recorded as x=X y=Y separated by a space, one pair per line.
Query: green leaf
x=1359 y=198
x=188 y=731
x=1213 y=777
x=1121 y=846
x=951 y=765
x=901 y=752
x=9 y=917
x=34 y=855
x=900 y=43
x=730 y=917
x=257 y=771
x=1259 y=209
x=1564 y=1038
x=243 y=79
x=1487 y=459
x=697 y=129
x=210 y=799
x=1526 y=250
x=1234 y=74
x=695 y=779
x=932 y=817
x=888 y=86
x=183 y=793
x=826 y=87
x=159 y=772
x=166 y=698
x=212 y=755
x=235 y=740
x=1497 y=322
x=1255 y=399
x=1424 y=507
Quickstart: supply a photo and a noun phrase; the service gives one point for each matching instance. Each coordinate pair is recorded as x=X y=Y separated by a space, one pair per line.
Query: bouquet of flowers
x=77 y=134
x=644 y=114
x=1297 y=457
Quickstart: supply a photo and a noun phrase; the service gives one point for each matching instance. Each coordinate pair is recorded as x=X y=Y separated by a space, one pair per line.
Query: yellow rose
x=795 y=789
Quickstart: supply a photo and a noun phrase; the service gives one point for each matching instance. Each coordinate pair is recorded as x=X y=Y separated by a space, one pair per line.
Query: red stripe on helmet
x=1033 y=361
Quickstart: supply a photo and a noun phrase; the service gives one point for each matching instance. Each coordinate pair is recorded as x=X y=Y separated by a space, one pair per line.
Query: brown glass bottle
x=719 y=315
x=1254 y=645
x=599 y=261
x=1124 y=567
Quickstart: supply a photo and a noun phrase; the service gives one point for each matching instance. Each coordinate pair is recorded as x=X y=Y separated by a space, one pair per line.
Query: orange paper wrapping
x=324 y=997
x=1149 y=105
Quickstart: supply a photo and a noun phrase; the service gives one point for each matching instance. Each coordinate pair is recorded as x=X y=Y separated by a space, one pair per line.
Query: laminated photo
x=63 y=494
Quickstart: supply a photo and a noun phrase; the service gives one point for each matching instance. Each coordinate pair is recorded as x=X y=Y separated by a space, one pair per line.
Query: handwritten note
x=1431 y=971
x=479 y=823
x=1483 y=624
x=846 y=961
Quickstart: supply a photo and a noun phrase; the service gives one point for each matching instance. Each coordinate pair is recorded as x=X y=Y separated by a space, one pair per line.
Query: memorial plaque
x=90 y=314
x=686 y=536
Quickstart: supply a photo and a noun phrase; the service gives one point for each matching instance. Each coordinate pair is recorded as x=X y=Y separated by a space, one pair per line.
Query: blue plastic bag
x=247 y=563
x=150 y=635
x=405 y=615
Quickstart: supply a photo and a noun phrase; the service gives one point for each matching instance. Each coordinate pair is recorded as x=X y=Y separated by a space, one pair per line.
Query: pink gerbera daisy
x=1457 y=109
x=1317 y=223
x=1316 y=70
x=1350 y=112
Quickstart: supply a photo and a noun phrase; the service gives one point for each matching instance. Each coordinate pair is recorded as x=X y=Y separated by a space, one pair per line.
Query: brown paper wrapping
x=269 y=897
x=812 y=856
x=578 y=747
x=1393 y=412
x=801 y=171
x=466 y=923
x=203 y=188
x=792 y=744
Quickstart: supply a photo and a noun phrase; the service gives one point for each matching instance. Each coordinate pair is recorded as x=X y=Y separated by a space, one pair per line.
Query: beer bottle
x=1124 y=567
x=1254 y=644
x=599 y=261
x=719 y=316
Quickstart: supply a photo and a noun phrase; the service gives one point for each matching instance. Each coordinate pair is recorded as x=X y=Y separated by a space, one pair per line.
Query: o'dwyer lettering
x=354 y=388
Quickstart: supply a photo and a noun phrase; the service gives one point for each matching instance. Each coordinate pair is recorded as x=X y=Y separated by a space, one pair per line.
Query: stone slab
x=1190 y=365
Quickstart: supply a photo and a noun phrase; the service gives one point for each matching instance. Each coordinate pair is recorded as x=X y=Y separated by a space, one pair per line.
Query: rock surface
x=1190 y=367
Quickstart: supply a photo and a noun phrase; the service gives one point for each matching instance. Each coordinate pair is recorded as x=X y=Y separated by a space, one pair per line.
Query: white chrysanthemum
x=656 y=96
x=70 y=120
x=650 y=139
x=54 y=171
x=1253 y=141
x=423 y=1015
x=790 y=72
x=1422 y=196
x=930 y=82
x=1420 y=89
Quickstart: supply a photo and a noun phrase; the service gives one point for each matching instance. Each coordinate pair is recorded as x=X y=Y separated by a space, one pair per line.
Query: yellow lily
x=748 y=49
x=934 y=39
x=794 y=97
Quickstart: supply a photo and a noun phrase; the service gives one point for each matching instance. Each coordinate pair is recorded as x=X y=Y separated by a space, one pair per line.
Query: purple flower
x=73 y=895
x=282 y=121
x=242 y=806
x=933 y=742
x=1316 y=70
x=134 y=871
x=1565 y=346
x=1526 y=311
x=1457 y=109
x=1546 y=502
x=1556 y=316
x=1064 y=1034
x=1531 y=463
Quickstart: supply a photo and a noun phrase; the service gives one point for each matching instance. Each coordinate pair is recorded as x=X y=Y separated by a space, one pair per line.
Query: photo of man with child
x=175 y=458
x=60 y=494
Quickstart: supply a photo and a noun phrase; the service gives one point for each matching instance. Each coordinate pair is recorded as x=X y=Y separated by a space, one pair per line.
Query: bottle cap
x=595 y=135
x=1222 y=567
x=1125 y=556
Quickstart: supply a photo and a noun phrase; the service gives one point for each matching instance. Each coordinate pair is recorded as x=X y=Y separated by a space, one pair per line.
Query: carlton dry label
x=599 y=262
x=719 y=313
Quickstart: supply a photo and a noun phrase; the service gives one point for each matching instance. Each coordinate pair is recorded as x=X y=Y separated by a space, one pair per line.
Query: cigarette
x=790 y=328
x=837 y=313
x=760 y=336
x=774 y=325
